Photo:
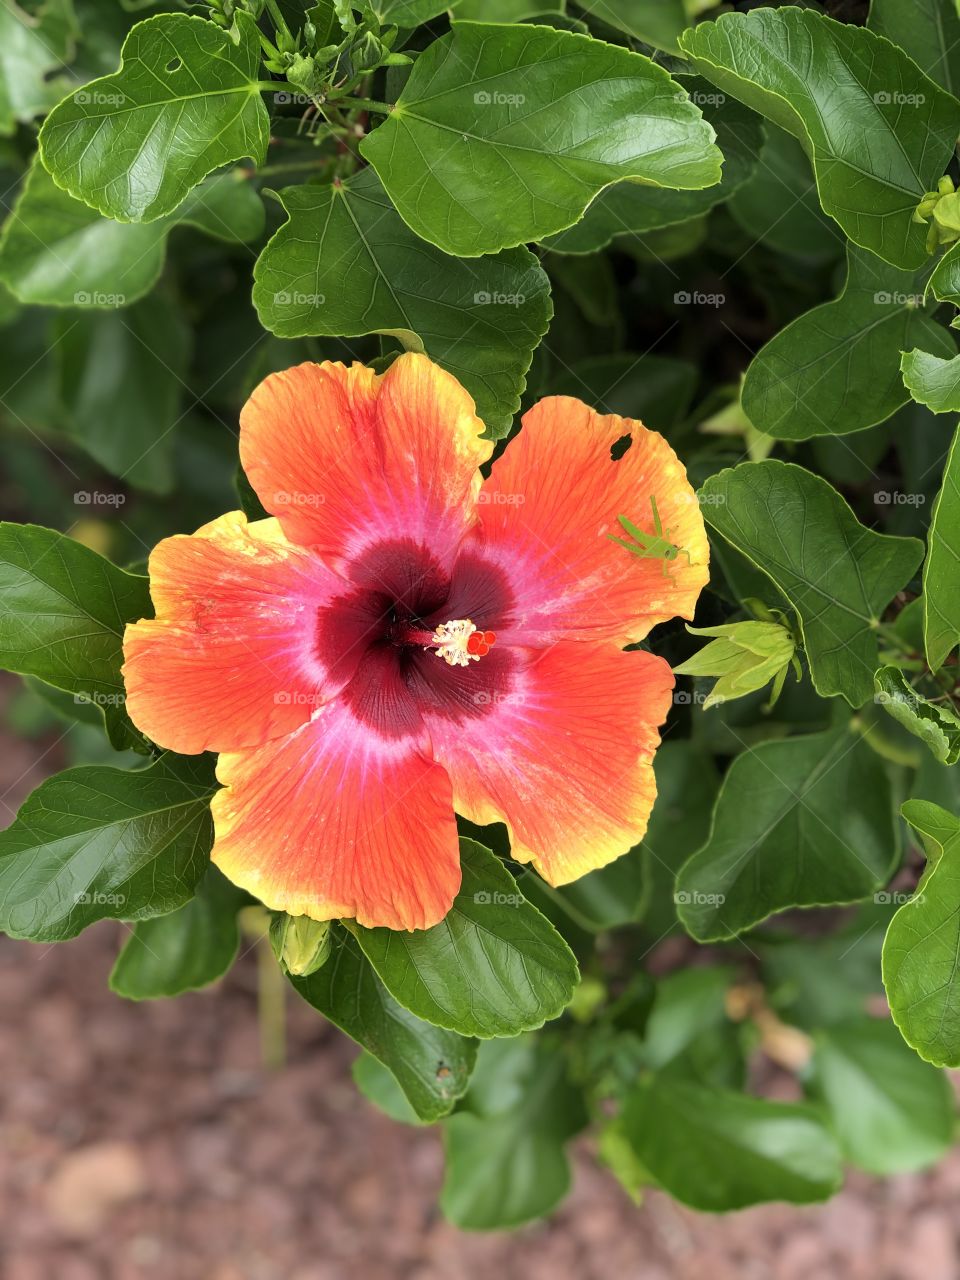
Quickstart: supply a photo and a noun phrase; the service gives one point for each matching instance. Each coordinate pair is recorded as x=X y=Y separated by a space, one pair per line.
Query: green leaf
x=938 y=727
x=879 y=131
x=494 y=966
x=778 y=205
x=57 y=251
x=945 y=277
x=932 y=380
x=892 y=1112
x=659 y=23
x=935 y=825
x=504 y=10
x=941 y=570
x=837 y=574
x=506 y=1159
x=835 y=368
x=97 y=843
x=920 y=962
x=410 y=13
x=801 y=822
x=717 y=1151
x=136 y=358
x=432 y=1066
x=657 y=390
x=64 y=612
x=607 y=898
x=472 y=156
x=628 y=208
x=32 y=47
x=687 y=1023
x=929 y=30
x=188 y=949
x=481 y=321
x=184 y=101
x=687 y=786
x=379 y=1085
x=818 y=981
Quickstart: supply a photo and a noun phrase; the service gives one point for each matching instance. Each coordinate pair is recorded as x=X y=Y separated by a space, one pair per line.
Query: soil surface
x=148 y=1142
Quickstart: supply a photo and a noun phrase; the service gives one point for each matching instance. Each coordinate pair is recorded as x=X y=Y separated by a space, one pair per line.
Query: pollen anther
x=459 y=642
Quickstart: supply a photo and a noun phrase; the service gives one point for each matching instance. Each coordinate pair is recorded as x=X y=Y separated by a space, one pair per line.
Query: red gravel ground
x=146 y=1142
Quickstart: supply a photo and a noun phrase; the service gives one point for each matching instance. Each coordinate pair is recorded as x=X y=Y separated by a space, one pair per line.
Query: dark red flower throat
x=375 y=638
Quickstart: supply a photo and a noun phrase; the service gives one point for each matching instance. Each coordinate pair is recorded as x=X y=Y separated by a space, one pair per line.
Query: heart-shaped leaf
x=717 y=1150
x=64 y=613
x=798 y=823
x=431 y=1065
x=479 y=320
x=880 y=132
x=505 y=1146
x=188 y=949
x=185 y=100
x=633 y=208
x=891 y=1111
x=835 y=368
x=837 y=574
x=494 y=966
x=57 y=251
x=471 y=155
x=96 y=843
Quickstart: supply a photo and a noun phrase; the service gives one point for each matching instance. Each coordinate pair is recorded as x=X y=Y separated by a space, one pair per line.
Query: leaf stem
x=382 y=108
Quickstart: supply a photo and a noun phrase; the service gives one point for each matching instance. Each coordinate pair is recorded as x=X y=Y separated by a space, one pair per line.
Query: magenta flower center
x=381 y=637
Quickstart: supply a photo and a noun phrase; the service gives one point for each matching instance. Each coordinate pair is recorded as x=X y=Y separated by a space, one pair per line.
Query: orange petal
x=549 y=505
x=565 y=758
x=344 y=458
x=334 y=822
x=230 y=660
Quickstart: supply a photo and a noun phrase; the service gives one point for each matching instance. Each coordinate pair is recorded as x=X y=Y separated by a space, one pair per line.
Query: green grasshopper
x=651 y=546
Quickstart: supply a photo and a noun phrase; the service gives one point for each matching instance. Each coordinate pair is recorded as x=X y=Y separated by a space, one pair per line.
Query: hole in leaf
x=620 y=447
x=174 y=64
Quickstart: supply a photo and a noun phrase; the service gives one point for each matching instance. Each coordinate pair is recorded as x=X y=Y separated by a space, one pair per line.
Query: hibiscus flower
x=402 y=639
